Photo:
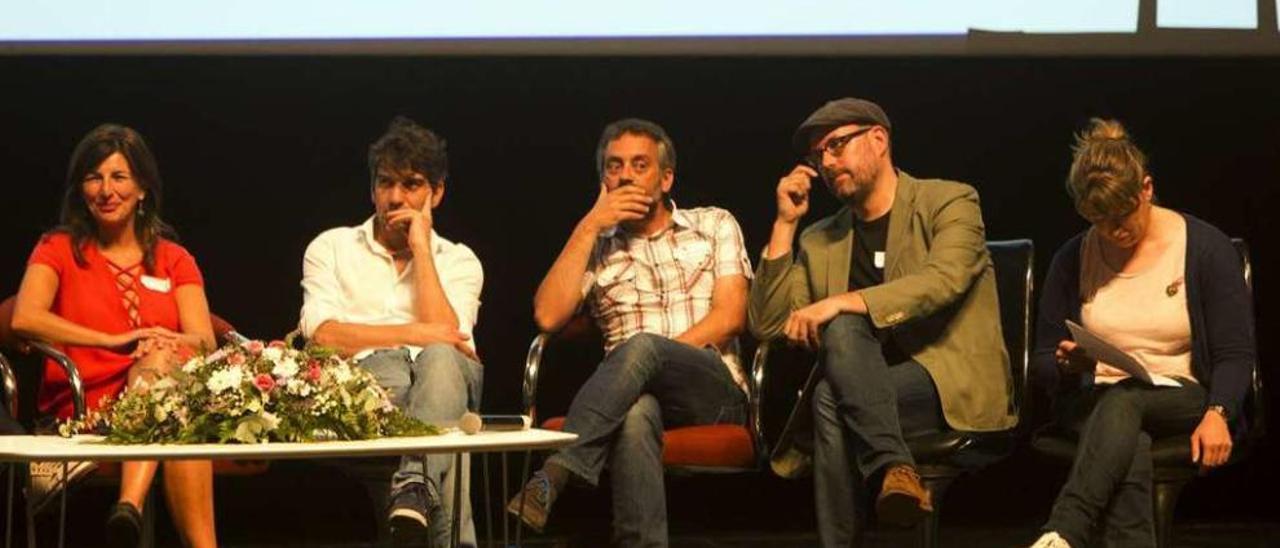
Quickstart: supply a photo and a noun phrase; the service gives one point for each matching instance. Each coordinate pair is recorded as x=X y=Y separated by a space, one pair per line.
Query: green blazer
x=938 y=297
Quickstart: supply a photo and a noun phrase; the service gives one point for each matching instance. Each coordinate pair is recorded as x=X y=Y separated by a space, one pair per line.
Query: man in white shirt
x=402 y=301
x=668 y=289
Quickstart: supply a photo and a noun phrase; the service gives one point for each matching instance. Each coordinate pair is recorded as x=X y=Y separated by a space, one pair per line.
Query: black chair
x=944 y=456
x=1171 y=455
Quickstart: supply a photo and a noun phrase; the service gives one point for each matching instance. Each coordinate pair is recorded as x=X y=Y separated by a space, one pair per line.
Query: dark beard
x=861 y=185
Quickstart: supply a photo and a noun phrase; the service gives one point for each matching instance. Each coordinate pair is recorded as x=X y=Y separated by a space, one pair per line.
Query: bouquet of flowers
x=254 y=393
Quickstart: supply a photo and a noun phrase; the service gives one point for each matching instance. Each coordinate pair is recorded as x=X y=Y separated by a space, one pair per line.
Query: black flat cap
x=834 y=114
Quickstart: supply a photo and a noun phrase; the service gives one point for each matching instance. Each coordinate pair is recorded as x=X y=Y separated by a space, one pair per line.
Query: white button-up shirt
x=348 y=277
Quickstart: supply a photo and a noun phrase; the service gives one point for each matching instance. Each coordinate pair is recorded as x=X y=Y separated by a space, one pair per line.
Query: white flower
x=270 y=420
x=341 y=373
x=161 y=387
x=223 y=379
x=192 y=364
x=272 y=353
x=299 y=388
x=285 y=368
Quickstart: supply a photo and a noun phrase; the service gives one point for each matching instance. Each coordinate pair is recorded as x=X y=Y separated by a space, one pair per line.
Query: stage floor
x=301 y=504
x=1191 y=535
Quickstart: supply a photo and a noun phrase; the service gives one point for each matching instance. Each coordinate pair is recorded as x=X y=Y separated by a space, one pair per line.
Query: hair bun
x=1104 y=130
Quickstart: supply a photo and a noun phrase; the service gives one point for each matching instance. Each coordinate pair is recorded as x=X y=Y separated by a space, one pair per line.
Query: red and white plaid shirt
x=662 y=284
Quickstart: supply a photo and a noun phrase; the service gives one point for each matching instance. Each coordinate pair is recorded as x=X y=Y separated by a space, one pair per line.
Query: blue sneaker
x=409 y=517
x=533 y=503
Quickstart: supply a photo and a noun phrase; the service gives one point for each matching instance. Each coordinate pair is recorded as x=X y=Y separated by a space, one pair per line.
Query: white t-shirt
x=1142 y=313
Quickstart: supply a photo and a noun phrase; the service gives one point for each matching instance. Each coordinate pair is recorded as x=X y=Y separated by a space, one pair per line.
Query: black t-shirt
x=869 y=238
x=866 y=269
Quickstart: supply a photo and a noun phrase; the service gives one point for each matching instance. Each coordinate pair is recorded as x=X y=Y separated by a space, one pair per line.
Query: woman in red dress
x=124 y=301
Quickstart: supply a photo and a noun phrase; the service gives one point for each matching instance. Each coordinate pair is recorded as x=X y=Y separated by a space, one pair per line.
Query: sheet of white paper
x=1105 y=352
x=1161 y=380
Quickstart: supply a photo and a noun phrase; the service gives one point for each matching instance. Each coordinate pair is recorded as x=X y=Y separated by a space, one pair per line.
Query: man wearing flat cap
x=896 y=294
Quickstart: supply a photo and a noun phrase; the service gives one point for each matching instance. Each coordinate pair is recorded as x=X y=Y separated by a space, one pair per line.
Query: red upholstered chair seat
x=714 y=445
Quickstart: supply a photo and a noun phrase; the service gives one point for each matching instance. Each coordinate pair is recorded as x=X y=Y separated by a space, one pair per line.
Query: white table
x=26 y=449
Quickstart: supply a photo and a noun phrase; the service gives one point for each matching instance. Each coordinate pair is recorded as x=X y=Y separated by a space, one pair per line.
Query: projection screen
x=579 y=27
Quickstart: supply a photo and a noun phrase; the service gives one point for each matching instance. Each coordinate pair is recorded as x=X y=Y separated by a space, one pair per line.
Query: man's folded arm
x=727 y=316
x=350 y=338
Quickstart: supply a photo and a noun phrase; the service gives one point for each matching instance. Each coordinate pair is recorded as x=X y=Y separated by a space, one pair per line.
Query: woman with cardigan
x=1166 y=288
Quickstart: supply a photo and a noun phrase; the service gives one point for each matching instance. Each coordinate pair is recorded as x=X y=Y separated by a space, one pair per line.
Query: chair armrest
x=532 y=366
x=755 y=395
x=10 y=386
x=224 y=332
x=73 y=375
x=234 y=337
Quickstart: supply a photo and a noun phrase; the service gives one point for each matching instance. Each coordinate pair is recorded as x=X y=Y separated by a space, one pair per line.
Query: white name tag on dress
x=879 y=259
x=159 y=285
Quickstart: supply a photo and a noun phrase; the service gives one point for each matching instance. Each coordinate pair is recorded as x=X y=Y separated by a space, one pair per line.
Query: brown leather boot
x=903 y=500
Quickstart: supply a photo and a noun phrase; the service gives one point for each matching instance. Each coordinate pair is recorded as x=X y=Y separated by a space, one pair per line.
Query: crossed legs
x=644 y=385
x=436 y=386
x=862 y=409
x=1110 y=480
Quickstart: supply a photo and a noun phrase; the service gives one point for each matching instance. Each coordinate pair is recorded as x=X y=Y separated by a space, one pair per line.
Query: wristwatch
x=1221 y=410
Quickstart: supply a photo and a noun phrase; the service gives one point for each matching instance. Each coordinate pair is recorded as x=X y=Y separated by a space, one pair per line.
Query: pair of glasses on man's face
x=834 y=146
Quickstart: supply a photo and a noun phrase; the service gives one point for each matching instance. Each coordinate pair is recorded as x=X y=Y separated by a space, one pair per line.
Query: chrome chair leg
x=31 y=511
x=488 y=504
x=62 y=513
x=8 y=508
x=524 y=477
x=506 y=487
x=454 y=533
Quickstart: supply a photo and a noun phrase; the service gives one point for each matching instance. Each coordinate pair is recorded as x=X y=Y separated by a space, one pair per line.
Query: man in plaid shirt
x=668 y=288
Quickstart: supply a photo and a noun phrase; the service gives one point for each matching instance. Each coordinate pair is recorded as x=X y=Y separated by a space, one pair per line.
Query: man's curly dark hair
x=407 y=145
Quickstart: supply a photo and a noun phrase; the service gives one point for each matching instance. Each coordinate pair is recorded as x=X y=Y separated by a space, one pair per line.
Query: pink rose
x=236 y=358
x=254 y=347
x=276 y=344
x=313 y=372
x=264 y=382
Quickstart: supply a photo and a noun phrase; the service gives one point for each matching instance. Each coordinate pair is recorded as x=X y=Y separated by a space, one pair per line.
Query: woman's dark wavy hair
x=76 y=220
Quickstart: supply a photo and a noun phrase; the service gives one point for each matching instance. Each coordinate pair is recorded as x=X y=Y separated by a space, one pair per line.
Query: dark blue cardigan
x=1218 y=301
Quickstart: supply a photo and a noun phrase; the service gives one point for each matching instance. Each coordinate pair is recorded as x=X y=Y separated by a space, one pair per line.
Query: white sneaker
x=47 y=480
x=1051 y=540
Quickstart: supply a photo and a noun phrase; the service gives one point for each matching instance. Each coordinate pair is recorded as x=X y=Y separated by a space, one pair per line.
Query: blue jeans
x=646 y=384
x=862 y=409
x=437 y=387
x=1110 y=481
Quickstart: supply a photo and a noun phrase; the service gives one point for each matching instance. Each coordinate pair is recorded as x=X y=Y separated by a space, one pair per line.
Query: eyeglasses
x=835 y=147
